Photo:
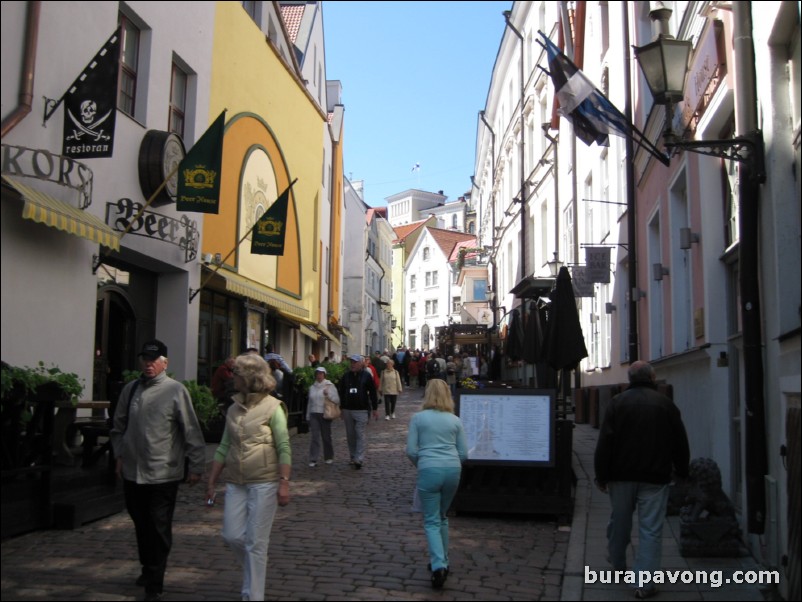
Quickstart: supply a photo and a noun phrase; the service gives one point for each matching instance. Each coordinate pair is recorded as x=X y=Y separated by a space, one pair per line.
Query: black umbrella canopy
x=515 y=337
x=564 y=344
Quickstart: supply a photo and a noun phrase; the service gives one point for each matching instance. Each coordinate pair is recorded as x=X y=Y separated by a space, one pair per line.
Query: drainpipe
x=632 y=273
x=749 y=273
x=555 y=163
x=28 y=69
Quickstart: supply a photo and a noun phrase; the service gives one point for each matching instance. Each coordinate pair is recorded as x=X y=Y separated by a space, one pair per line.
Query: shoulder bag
x=331 y=410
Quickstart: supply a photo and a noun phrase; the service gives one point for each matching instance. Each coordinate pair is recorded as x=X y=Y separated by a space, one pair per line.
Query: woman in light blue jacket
x=436 y=446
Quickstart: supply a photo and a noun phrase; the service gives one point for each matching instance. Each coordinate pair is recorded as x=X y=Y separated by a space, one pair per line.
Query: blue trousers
x=436 y=488
x=650 y=501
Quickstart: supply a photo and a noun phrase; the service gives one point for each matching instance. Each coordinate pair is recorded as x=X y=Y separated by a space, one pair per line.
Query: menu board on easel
x=508 y=426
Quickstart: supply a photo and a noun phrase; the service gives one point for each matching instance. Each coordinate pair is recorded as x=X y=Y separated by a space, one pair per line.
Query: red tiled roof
x=448 y=239
x=401 y=232
x=464 y=244
x=292 y=15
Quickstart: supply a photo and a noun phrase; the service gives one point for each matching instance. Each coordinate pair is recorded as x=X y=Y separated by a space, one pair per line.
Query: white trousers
x=247 y=520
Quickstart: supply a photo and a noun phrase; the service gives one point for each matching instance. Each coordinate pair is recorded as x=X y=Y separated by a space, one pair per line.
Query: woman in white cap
x=319 y=427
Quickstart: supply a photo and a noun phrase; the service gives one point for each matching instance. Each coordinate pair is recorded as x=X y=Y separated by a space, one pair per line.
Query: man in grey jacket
x=155 y=428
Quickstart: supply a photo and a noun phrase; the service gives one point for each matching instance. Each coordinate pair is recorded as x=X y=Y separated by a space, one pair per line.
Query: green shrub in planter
x=206 y=407
x=305 y=376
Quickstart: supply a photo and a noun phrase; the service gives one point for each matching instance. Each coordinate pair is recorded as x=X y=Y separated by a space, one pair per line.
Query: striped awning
x=327 y=334
x=259 y=292
x=312 y=334
x=44 y=209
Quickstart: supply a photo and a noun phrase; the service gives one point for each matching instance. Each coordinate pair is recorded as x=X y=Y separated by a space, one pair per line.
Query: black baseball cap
x=154 y=349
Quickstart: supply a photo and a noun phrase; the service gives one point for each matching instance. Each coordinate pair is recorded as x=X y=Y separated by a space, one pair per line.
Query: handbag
x=331 y=410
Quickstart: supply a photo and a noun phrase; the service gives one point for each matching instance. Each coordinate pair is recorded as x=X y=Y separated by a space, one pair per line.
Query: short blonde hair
x=255 y=372
x=438 y=396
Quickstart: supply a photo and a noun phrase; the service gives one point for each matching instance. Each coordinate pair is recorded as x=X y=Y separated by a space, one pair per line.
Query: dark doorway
x=115 y=341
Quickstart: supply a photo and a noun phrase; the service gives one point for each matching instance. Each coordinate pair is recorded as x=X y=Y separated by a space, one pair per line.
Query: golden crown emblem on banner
x=270 y=227
x=199 y=178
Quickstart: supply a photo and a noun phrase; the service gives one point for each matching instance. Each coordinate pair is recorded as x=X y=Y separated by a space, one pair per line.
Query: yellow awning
x=259 y=292
x=44 y=209
x=309 y=332
x=326 y=333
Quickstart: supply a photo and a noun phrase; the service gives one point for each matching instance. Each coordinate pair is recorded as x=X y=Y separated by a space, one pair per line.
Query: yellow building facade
x=272 y=138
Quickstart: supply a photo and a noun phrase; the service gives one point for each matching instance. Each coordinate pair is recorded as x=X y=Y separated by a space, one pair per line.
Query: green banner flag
x=199 y=172
x=268 y=232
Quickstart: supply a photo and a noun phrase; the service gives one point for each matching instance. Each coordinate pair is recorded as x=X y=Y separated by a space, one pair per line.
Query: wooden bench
x=92 y=428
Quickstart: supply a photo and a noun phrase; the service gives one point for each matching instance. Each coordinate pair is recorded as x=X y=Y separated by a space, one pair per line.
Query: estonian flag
x=591 y=113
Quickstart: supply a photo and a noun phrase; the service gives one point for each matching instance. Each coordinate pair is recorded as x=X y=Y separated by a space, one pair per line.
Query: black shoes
x=439 y=578
x=357 y=465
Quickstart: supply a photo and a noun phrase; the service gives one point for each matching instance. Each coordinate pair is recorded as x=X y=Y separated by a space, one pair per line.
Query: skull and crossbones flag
x=90 y=105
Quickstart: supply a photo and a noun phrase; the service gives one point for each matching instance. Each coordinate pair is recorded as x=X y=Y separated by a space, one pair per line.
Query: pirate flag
x=90 y=106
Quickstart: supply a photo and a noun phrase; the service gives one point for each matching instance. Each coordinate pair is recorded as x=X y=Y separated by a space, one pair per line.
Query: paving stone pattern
x=346 y=534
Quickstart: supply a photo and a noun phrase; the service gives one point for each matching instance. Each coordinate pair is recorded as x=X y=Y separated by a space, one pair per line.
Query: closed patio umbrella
x=564 y=344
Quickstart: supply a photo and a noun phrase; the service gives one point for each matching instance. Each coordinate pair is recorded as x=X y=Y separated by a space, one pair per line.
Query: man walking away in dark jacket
x=641 y=441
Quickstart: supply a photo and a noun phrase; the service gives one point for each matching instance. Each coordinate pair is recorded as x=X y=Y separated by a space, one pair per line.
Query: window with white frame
x=129 y=65
x=456 y=304
x=426 y=253
x=431 y=279
x=413 y=280
x=431 y=307
x=178 y=101
x=412 y=309
x=568 y=233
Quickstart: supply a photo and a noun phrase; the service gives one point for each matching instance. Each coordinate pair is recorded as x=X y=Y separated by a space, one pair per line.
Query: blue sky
x=414 y=77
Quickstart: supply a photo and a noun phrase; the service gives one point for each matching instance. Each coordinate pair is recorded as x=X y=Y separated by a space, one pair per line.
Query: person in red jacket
x=373 y=372
x=412 y=370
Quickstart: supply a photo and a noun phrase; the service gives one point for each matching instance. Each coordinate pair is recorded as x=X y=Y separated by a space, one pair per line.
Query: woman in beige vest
x=256 y=448
x=390 y=387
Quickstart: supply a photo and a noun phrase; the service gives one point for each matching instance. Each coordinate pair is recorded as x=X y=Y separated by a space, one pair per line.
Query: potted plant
x=207 y=410
x=25 y=395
